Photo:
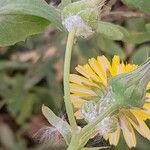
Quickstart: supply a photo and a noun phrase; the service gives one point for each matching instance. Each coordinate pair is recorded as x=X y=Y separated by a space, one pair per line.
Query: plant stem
x=87 y=130
x=107 y=112
x=74 y=144
x=67 y=99
x=79 y=140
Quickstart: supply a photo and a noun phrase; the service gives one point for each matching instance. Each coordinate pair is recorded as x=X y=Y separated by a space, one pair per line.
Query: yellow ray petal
x=106 y=136
x=141 y=127
x=130 y=67
x=81 y=70
x=148 y=86
x=92 y=74
x=115 y=64
x=147 y=94
x=77 y=101
x=76 y=88
x=114 y=137
x=103 y=61
x=146 y=107
x=88 y=72
x=140 y=113
x=119 y=69
x=98 y=70
x=78 y=115
x=128 y=132
x=82 y=95
x=147 y=97
x=81 y=80
x=123 y=66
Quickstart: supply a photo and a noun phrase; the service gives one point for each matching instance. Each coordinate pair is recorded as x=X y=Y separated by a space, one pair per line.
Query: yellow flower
x=87 y=86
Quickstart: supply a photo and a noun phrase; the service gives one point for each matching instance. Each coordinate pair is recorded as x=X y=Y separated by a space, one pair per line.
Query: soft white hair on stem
x=48 y=135
x=76 y=21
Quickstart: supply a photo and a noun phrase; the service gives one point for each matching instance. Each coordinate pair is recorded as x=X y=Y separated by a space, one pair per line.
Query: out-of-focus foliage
x=23 y=18
x=31 y=72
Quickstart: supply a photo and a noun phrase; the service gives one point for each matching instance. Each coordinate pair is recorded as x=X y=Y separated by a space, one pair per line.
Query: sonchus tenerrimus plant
x=108 y=96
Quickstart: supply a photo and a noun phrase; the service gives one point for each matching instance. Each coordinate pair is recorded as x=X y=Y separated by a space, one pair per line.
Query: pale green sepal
x=62 y=126
x=129 y=89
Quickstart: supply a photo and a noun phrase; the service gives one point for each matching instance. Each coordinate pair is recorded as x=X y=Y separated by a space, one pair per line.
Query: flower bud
x=129 y=89
x=82 y=15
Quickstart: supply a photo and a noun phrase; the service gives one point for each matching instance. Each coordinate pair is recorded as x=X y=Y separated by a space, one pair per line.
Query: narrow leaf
x=62 y=126
x=111 y=31
x=116 y=32
x=143 y=51
x=108 y=46
x=138 y=37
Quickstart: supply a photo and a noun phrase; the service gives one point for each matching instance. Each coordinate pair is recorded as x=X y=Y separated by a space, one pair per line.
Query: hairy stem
x=87 y=130
x=75 y=143
x=68 y=104
x=79 y=140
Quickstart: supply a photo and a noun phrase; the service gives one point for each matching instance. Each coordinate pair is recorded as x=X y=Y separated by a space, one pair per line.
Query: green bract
x=82 y=15
x=129 y=89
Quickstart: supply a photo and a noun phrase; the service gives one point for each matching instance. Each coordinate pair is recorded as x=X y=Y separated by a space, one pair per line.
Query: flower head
x=101 y=84
x=82 y=15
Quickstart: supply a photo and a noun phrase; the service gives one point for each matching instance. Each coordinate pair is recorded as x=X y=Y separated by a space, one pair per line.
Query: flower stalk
x=80 y=139
x=67 y=99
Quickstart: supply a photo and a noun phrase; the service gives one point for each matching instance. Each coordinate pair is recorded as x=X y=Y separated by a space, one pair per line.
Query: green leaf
x=14 y=28
x=19 y=101
x=111 y=31
x=21 y=18
x=26 y=109
x=135 y=24
x=143 y=5
x=86 y=49
x=141 y=55
x=108 y=46
x=138 y=31
x=62 y=126
x=117 y=32
x=16 y=95
x=138 y=37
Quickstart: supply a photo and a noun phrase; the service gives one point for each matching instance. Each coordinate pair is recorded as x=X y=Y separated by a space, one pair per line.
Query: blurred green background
x=31 y=74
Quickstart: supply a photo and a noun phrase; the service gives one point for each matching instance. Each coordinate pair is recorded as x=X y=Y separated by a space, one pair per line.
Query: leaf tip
x=44 y=109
